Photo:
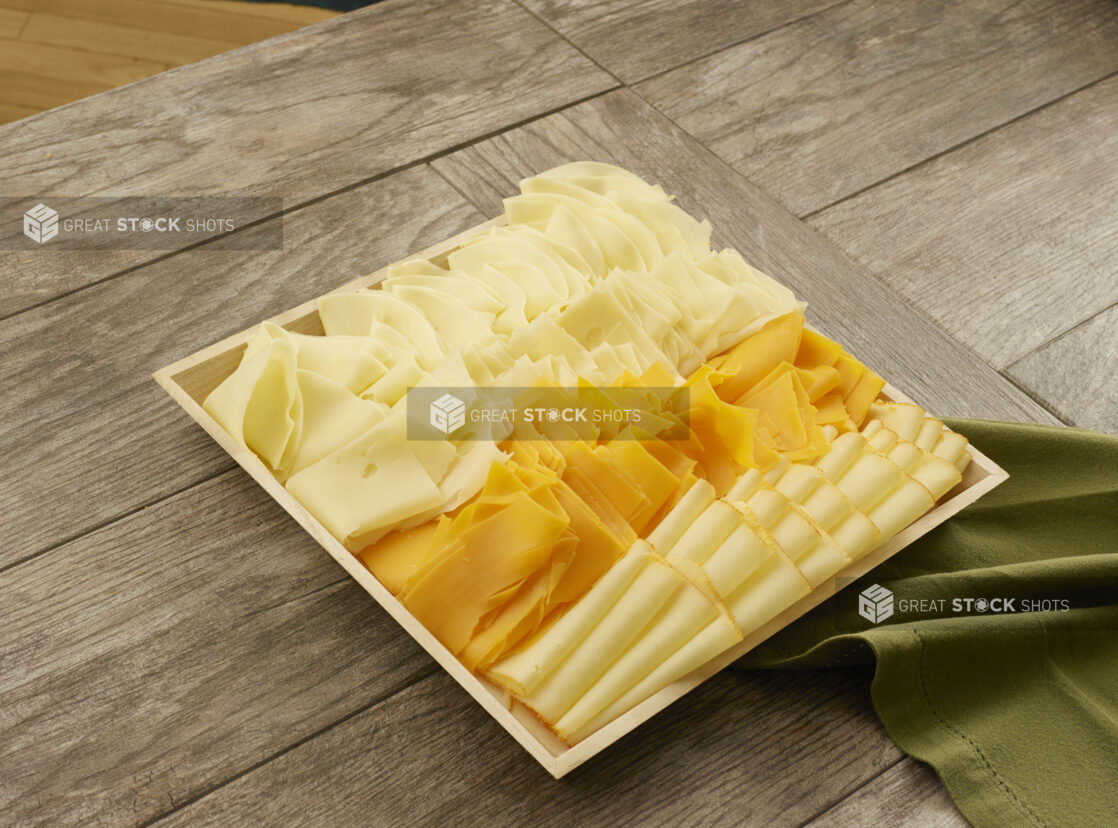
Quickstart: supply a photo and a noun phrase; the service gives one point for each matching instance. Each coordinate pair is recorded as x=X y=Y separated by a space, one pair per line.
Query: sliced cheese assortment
x=584 y=573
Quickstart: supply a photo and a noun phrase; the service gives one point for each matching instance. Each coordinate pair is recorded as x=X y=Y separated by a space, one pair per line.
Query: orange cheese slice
x=492 y=547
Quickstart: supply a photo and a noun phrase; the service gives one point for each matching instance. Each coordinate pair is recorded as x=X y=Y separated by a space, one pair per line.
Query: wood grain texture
x=22 y=88
x=634 y=39
x=115 y=39
x=1075 y=373
x=1008 y=241
x=304 y=15
x=202 y=21
x=12 y=22
x=13 y=112
x=74 y=65
x=745 y=748
x=909 y=793
x=865 y=315
x=299 y=116
x=831 y=104
x=151 y=660
x=88 y=436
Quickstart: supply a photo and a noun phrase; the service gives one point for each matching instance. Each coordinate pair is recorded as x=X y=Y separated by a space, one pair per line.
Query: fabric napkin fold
x=999 y=664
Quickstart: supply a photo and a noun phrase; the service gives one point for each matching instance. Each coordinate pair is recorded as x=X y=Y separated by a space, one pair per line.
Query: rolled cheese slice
x=522 y=671
x=683 y=616
x=905 y=419
x=825 y=503
x=810 y=548
x=668 y=533
x=650 y=590
x=717 y=637
x=706 y=534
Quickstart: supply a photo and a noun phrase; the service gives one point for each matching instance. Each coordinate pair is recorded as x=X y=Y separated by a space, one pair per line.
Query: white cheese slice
x=523 y=671
x=679 y=519
x=332 y=416
x=259 y=403
x=365 y=489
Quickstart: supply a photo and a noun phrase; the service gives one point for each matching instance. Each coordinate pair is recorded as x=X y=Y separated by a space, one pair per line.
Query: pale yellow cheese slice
x=524 y=670
x=652 y=587
x=259 y=404
x=366 y=488
x=683 y=616
x=667 y=534
x=355 y=362
x=709 y=531
x=332 y=416
x=718 y=636
x=457 y=323
x=354 y=314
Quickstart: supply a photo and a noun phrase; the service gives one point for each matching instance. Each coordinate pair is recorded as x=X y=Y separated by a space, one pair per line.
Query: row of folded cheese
x=718 y=568
x=597 y=275
x=598 y=279
x=627 y=482
x=544 y=528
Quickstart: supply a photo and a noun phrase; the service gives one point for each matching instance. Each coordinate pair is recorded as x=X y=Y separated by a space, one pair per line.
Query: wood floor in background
x=53 y=52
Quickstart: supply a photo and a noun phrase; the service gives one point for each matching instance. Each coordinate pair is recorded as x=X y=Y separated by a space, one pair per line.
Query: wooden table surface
x=938 y=179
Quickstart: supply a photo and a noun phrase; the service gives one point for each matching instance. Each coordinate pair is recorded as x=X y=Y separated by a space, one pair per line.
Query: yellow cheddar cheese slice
x=491 y=548
x=400 y=555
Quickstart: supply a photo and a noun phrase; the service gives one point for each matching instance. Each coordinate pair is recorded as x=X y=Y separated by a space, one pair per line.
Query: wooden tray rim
x=557 y=758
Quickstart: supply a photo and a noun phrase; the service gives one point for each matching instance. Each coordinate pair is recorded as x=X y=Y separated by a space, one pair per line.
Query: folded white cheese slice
x=354 y=361
x=332 y=416
x=455 y=321
x=356 y=314
x=259 y=403
x=377 y=481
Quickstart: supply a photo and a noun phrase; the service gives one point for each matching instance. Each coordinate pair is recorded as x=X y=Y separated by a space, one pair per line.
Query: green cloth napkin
x=1016 y=711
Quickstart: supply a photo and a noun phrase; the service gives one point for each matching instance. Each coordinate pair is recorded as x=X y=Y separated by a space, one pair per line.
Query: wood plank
x=151 y=660
x=865 y=315
x=827 y=106
x=169 y=18
x=1074 y=374
x=113 y=39
x=747 y=748
x=634 y=39
x=304 y=15
x=74 y=65
x=909 y=793
x=13 y=112
x=302 y=115
x=29 y=89
x=89 y=436
x=12 y=22
x=1008 y=241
